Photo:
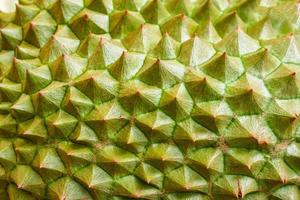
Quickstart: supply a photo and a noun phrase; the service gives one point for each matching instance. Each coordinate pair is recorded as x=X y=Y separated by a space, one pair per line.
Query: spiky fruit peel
x=149 y=99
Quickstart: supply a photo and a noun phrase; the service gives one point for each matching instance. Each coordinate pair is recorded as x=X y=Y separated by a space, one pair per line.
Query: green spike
x=23 y=109
x=27 y=51
x=68 y=189
x=25 y=13
x=11 y=36
x=139 y=40
x=64 y=10
x=61 y=124
x=27 y=179
x=90 y=22
x=154 y=12
x=195 y=52
x=123 y=22
x=104 y=54
x=39 y=30
x=34 y=129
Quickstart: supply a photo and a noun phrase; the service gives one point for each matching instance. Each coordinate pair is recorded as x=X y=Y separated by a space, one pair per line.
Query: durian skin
x=150 y=99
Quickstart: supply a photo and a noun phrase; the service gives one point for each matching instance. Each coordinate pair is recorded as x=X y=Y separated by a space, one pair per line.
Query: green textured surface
x=150 y=99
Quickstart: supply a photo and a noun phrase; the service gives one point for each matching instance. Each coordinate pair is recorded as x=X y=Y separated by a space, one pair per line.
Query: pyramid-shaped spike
x=37 y=79
x=176 y=102
x=102 y=6
x=34 y=129
x=8 y=125
x=287 y=192
x=25 y=13
x=284 y=24
x=27 y=51
x=48 y=164
x=17 y=71
x=238 y=43
x=278 y=170
x=68 y=67
x=149 y=174
x=137 y=97
x=156 y=125
x=211 y=159
x=84 y=134
x=167 y=48
x=240 y=160
x=25 y=151
x=11 y=36
x=61 y=124
x=283 y=82
x=6 y=61
x=64 y=10
x=164 y=156
x=245 y=83
x=195 y=52
x=208 y=32
x=27 y=179
x=99 y=86
x=234 y=186
x=39 y=30
x=107 y=118
x=206 y=12
x=286 y=49
x=189 y=131
x=228 y=23
x=124 y=22
x=254 y=125
x=88 y=21
x=202 y=87
x=260 y=63
x=131 y=138
x=263 y=30
x=95 y=178
x=292 y=154
x=252 y=103
x=133 y=5
x=135 y=190
x=154 y=12
x=126 y=66
x=149 y=99
x=185 y=179
x=213 y=115
x=77 y=103
x=23 y=109
x=75 y=156
x=223 y=67
x=49 y=99
x=180 y=7
x=66 y=187
x=116 y=161
x=179 y=27
x=14 y=193
x=236 y=135
x=161 y=73
x=10 y=91
x=89 y=43
x=104 y=54
x=139 y=40
x=62 y=42
x=8 y=156
x=281 y=122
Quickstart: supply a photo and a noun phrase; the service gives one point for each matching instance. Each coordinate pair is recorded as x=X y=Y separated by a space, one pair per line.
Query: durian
x=149 y=99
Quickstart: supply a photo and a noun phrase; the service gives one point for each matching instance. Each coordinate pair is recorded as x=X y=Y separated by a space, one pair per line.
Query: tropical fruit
x=149 y=99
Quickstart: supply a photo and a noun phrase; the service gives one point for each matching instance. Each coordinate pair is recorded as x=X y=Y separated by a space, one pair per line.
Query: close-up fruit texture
x=149 y=99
